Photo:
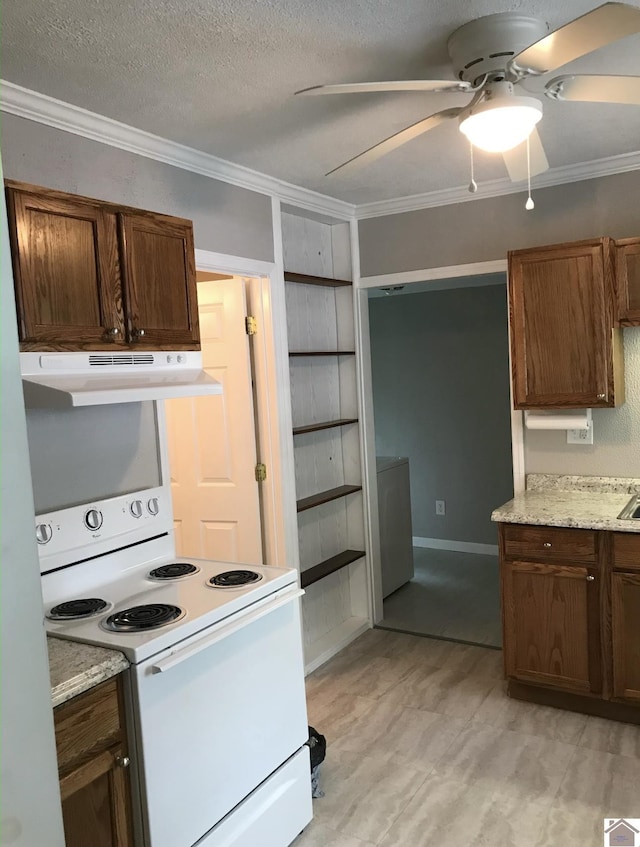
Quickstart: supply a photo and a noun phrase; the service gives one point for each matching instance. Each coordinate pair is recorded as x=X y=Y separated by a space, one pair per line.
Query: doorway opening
x=442 y=413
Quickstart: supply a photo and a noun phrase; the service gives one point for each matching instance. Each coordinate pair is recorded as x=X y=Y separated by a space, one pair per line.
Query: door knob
x=547 y=544
x=122 y=761
x=600 y=396
x=590 y=578
x=114 y=331
x=138 y=333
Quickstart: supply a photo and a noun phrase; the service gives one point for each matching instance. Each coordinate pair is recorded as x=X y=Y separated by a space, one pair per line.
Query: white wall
x=30 y=815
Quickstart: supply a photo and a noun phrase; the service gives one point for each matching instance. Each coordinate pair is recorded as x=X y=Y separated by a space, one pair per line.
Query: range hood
x=67 y=380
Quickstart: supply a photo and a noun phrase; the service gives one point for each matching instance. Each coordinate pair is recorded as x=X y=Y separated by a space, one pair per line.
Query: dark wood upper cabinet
x=565 y=352
x=91 y=275
x=627 y=265
x=160 y=279
x=65 y=259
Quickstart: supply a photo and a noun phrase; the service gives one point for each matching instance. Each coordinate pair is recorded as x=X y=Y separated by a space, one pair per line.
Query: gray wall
x=30 y=812
x=226 y=219
x=441 y=397
x=481 y=230
x=85 y=454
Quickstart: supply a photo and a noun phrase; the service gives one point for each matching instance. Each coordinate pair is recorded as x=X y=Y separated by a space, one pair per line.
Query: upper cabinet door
x=65 y=260
x=160 y=280
x=562 y=341
x=628 y=281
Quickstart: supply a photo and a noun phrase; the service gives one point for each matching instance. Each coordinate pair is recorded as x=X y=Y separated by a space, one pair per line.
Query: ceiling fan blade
x=516 y=159
x=400 y=85
x=602 y=26
x=596 y=89
x=397 y=140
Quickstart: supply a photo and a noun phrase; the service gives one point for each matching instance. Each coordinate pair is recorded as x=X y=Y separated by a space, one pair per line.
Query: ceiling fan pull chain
x=473 y=185
x=529 y=204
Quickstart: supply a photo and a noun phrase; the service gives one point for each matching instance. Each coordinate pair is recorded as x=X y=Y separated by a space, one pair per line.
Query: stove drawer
x=272 y=815
x=87 y=725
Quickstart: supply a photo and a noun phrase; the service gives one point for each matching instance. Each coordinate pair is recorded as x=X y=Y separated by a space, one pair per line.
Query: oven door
x=215 y=716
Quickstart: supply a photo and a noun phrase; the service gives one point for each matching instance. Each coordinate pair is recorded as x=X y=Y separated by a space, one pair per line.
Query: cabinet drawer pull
x=547 y=544
x=590 y=578
x=138 y=333
x=114 y=331
x=123 y=761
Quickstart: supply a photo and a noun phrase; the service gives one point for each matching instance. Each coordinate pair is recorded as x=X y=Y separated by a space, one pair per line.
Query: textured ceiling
x=219 y=75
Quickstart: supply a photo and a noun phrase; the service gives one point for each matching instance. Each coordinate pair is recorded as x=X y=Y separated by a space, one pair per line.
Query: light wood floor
x=425 y=750
x=452 y=595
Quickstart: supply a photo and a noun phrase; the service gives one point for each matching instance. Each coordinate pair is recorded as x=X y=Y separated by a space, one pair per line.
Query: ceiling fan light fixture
x=501 y=123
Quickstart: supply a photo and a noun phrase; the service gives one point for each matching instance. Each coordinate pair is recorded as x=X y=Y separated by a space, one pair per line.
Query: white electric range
x=216 y=711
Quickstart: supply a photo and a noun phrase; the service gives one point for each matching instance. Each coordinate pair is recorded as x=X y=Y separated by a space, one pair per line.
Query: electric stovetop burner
x=234 y=579
x=142 y=618
x=174 y=570
x=85 y=607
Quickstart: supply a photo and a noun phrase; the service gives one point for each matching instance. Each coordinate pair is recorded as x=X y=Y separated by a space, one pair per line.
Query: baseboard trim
x=456 y=546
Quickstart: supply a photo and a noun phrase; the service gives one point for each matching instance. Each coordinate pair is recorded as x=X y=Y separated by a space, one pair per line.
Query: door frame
x=272 y=404
x=363 y=346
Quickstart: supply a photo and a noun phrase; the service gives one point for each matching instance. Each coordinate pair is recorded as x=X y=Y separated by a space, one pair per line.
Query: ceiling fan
x=490 y=57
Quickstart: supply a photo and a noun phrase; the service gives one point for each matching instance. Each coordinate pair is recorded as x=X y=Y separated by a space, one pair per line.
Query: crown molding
x=34 y=106
x=499 y=187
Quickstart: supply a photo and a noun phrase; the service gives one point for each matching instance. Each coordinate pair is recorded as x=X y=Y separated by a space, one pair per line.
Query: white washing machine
x=394 y=509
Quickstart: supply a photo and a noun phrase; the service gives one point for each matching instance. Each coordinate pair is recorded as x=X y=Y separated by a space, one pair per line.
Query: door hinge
x=261 y=472
x=250 y=325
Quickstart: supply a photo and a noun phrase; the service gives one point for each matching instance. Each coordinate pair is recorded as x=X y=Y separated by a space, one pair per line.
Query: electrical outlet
x=580 y=436
x=440 y=507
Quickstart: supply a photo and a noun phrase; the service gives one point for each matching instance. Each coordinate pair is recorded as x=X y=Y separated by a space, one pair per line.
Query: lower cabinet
x=552 y=625
x=571 y=618
x=94 y=769
x=625 y=630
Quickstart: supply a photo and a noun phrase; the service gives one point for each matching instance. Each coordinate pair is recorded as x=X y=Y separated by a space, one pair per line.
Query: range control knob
x=43 y=533
x=136 y=508
x=153 y=506
x=93 y=519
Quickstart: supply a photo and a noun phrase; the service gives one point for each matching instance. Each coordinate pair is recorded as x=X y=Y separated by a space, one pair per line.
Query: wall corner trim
x=40 y=108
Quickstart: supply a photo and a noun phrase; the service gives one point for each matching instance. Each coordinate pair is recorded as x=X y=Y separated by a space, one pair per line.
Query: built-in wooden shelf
x=289 y=276
x=322 y=353
x=329 y=566
x=316 y=427
x=326 y=496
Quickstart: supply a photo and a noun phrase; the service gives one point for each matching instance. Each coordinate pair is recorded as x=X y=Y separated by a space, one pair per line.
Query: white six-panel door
x=212 y=440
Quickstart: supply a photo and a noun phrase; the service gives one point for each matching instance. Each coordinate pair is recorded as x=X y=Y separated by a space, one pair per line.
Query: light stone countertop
x=76 y=667
x=583 y=502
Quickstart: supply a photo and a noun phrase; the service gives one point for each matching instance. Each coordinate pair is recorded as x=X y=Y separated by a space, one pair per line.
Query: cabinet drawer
x=626 y=551
x=87 y=724
x=549 y=543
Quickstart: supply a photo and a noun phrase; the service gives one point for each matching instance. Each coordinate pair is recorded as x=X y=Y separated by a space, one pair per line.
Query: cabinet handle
x=123 y=761
x=138 y=333
x=600 y=396
x=114 y=331
x=590 y=578
x=547 y=544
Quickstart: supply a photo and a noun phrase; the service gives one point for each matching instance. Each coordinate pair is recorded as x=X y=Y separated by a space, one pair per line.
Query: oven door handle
x=241 y=620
